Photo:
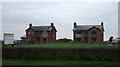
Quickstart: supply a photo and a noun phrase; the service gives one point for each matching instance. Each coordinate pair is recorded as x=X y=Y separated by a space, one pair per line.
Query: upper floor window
x=79 y=32
x=45 y=39
x=45 y=34
x=94 y=32
x=30 y=32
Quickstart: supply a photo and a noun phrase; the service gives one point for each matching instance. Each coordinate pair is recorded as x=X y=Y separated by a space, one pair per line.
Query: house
x=41 y=34
x=88 y=33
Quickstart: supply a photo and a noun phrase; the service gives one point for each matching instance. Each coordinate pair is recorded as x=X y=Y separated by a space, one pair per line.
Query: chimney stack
x=102 y=23
x=75 y=24
x=30 y=25
x=52 y=24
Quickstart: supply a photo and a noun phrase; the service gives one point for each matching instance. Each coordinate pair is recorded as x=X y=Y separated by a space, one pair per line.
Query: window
x=94 y=32
x=93 y=39
x=79 y=32
x=45 y=39
x=30 y=38
x=45 y=34
x=78 y=35
x=30 y=32
x=79 y=39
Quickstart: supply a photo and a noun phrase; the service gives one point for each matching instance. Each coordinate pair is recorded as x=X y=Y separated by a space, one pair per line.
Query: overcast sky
x=17 y=16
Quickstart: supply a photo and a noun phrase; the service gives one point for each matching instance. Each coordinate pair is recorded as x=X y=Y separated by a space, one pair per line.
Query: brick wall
x=30 y=35
x=87 y=35
x=51 y=36
x=98 y=35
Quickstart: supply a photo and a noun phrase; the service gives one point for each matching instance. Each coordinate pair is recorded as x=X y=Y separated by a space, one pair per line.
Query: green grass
x=55 y=62
x=65 y=45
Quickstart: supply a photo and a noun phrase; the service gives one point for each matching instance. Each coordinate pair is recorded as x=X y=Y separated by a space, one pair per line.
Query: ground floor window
x=93 y=39
x=30 y=38
x=78 y=39
x=45 y=39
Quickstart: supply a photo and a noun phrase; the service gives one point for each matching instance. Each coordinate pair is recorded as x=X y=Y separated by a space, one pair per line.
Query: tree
x=111 y=39
x=64 y=40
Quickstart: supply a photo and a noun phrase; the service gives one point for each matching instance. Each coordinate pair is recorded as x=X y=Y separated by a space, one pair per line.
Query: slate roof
x=42 y=28
x=86 y=27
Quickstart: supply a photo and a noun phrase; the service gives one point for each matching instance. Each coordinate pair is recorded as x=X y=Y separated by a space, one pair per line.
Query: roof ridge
x=41 y=28
x=38 y=26
x=88 y=25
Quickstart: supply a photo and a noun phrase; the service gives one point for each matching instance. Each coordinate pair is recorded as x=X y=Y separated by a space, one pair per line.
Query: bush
x=31 y=41
x=64 y=40
x=96 y=54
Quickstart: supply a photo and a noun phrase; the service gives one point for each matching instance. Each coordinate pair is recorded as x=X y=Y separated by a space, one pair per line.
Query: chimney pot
x=52 y=24
x=102 y=23
x=30 y=25
x=75 y=24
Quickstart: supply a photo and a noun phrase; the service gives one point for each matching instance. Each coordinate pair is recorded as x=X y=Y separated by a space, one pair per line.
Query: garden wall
x=97 y=54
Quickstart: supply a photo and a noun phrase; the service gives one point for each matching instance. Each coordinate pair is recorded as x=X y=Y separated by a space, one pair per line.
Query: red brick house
x=88 y=33
x=41 y=34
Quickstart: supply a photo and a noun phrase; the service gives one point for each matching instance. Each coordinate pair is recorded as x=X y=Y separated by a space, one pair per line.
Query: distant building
x=41 y=34
x=8 y=38
x=88 y=33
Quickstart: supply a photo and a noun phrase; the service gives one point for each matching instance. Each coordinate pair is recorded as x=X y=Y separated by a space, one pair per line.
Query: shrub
x=31 y=41
x=64 y=40
x=96 y=54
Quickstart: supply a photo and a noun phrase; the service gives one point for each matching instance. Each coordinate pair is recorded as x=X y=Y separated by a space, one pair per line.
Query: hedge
x=96 y=54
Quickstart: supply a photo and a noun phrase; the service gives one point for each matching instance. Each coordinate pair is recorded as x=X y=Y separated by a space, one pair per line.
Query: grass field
x=67 y=45
x=55 y=62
